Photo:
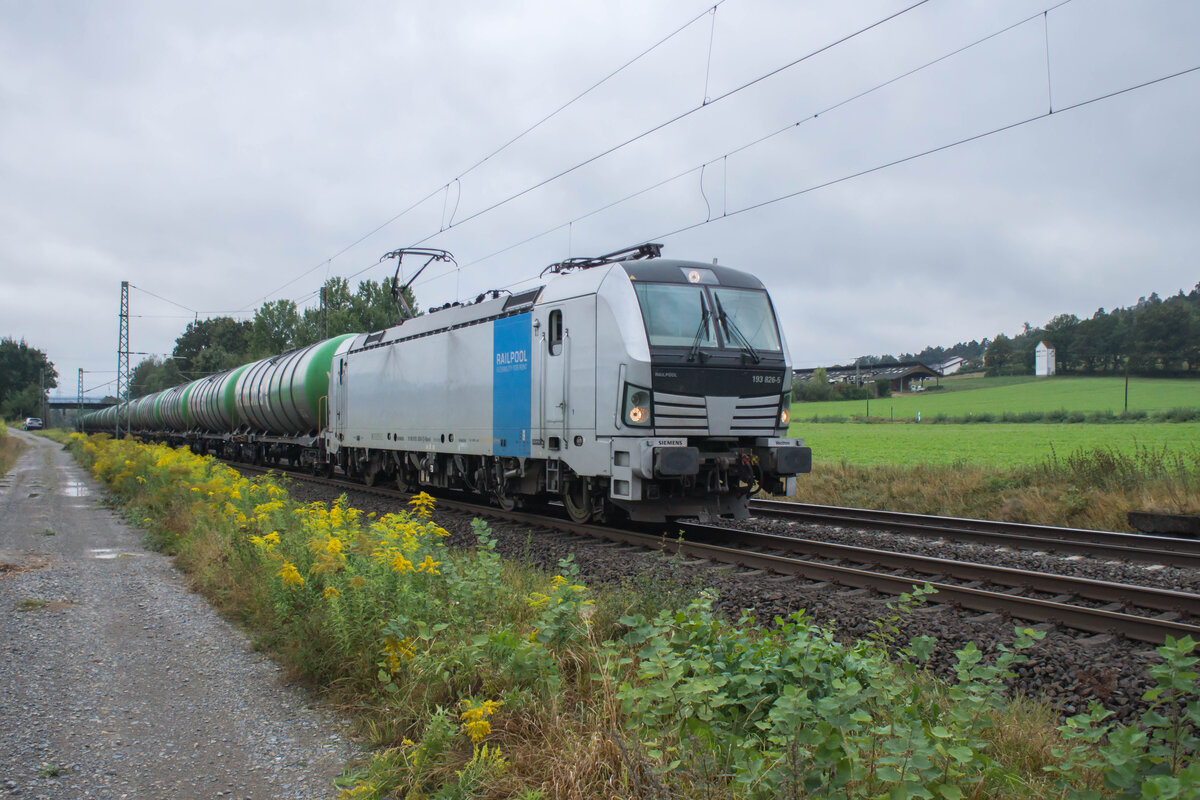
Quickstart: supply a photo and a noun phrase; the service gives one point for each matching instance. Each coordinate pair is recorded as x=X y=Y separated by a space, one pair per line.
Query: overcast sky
x=220 y=154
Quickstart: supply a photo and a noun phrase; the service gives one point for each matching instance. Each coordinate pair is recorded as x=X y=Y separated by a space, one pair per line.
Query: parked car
x=32 y=424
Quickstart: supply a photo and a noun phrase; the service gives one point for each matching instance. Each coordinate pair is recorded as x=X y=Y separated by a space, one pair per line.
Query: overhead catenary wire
x=671 y=121
x=528 y=130
x=949 y=145
x=660 y=126
x=766 y=137
x=878 y=167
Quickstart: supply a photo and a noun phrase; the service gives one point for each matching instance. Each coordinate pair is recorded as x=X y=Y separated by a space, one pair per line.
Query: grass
x=55 y=435
x=983 y=445
x=1084 y=489
x=995 y=396
x=10 y=449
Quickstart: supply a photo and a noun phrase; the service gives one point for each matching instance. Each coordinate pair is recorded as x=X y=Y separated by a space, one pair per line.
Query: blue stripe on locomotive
x=512 y=385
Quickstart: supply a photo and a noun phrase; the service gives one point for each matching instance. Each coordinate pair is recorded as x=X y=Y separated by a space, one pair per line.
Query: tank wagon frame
x=628 y=383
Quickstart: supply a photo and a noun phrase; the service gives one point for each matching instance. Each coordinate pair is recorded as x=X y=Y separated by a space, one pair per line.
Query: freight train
x=624 y=385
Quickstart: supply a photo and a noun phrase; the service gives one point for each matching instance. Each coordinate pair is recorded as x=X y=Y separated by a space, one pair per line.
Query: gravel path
x=116 y=681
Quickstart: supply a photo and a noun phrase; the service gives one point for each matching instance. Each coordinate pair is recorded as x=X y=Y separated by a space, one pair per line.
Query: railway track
x=1139 y=613
x=1141 y=548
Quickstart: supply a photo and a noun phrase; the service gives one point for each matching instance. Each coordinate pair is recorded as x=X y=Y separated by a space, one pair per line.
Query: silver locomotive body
x=659 y=388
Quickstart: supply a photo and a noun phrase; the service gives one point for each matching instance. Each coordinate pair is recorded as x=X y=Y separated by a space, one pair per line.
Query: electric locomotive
x=628 y=383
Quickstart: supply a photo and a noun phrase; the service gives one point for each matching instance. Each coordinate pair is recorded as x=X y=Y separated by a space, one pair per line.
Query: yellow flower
x=423 y=504
x=331 y=592
x=290 y=575
x=429 y=565
x=397 y=651
x=474 y=719
x=401 y=564
x=358 y=582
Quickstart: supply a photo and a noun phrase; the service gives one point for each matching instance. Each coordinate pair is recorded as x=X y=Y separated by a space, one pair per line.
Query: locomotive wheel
x=577 y=501
x=505 y=499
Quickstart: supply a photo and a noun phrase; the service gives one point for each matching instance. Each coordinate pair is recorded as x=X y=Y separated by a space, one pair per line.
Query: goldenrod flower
x=331 y=592
x=290 y=575
x=474 y=719
x=429 y=565
x=423 y=504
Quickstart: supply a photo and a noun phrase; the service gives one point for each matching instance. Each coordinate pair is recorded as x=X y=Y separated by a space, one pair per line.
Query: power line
x=503 y=147
x=671 y=121
x=707 y=103
x=761 y=139
x=915 y=156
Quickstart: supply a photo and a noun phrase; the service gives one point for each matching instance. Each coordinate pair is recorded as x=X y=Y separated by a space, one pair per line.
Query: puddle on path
x=76 y=489
x=106 y=553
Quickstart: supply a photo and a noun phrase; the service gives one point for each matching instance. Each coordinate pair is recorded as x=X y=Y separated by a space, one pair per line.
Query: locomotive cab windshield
x=716 y=317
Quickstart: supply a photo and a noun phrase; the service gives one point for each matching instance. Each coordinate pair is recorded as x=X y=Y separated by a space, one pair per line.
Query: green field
x=976 y=395
x=998 y=445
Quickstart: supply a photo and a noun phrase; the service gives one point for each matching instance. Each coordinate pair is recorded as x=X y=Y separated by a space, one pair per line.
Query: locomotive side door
x=339 y=387
x=554 y=371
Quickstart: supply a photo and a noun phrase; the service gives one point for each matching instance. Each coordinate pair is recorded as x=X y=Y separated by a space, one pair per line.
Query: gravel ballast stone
x=116 y=681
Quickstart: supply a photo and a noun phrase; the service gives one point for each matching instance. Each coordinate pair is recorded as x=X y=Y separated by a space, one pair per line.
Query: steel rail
x=1163 y=550
x=1092 y=620
x=1127 y=594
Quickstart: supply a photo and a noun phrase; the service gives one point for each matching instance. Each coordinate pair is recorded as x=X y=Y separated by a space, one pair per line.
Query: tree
x=371 y=308
x=1060 y=333
x=999 y=354
x=21 y=378
x=274 y=329
x=225 y=335
x=153 y=375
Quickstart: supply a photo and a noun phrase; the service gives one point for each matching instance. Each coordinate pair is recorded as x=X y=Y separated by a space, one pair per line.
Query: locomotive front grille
x=690 y=415
x=680 y=414
x=756 y=415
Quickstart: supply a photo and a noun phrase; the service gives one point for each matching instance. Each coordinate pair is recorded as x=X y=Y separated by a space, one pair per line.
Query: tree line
x=1152 y=337
x=24 y=371
x=216 y=344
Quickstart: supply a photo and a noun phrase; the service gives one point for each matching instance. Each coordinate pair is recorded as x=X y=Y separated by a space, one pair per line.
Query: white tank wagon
x=655 y=387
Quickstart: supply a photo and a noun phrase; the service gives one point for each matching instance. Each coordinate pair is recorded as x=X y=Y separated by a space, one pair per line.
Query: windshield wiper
x=731 y=326
x=702 y=328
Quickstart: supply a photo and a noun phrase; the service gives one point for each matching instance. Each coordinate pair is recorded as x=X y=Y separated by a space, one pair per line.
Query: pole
x=123 y=356
x=79 y=399
x=1126 y=384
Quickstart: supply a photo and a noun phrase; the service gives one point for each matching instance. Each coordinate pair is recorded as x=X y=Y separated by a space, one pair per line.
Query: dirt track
x=115 y=681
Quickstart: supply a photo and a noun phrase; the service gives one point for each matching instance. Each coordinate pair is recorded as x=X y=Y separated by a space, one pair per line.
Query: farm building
x=1043 y=359
x=952 y=365
x=901 y=375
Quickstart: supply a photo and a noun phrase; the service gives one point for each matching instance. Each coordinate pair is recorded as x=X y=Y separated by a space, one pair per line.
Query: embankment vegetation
x=472 y=676
x=1086 y=488
x=10 y=448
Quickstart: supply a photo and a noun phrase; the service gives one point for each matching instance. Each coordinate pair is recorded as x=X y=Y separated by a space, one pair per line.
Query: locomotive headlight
x=637 y=406
x=785 y=416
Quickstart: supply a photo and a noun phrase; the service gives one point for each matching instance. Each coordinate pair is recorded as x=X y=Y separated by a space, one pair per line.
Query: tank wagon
x=627 y=383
